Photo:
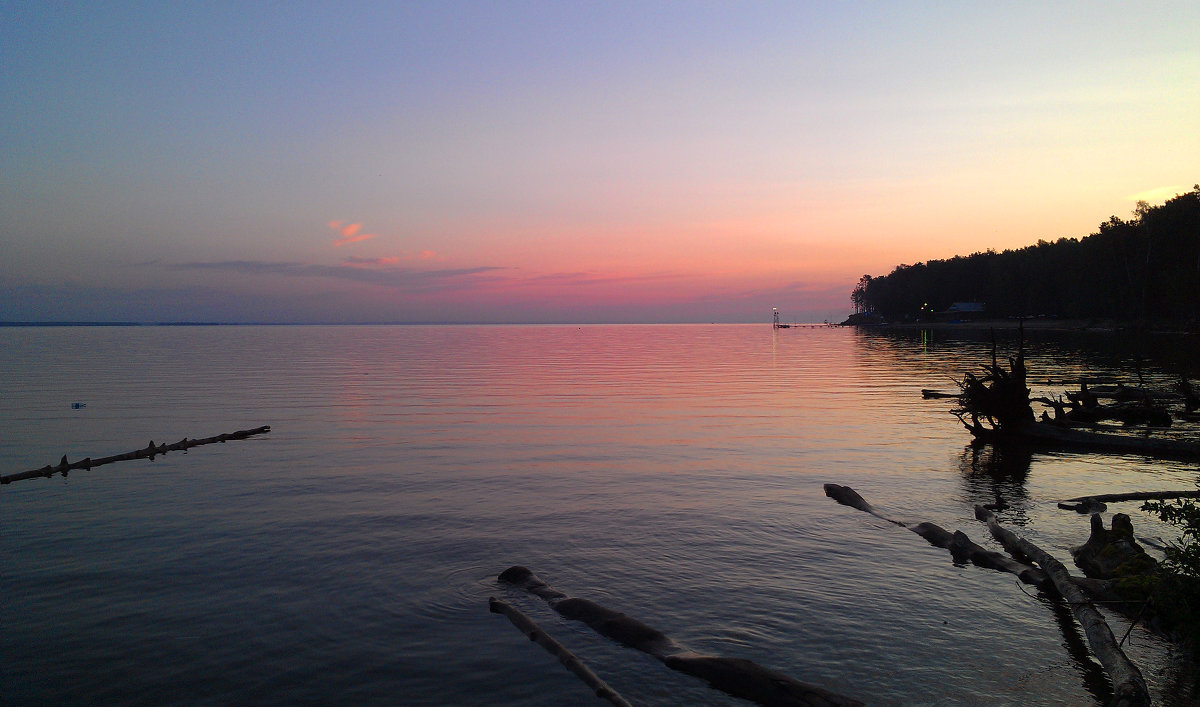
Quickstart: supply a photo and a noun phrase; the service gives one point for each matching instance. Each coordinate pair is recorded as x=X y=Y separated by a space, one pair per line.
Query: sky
x=573 y=162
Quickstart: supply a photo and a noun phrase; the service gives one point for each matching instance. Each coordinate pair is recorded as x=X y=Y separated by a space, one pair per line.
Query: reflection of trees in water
x=1096 y=353
x=996 y=475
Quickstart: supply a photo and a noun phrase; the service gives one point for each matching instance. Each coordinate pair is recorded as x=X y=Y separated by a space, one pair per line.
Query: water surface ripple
x=671 y=472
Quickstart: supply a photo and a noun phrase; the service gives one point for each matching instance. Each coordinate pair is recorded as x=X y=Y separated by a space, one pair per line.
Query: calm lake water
x=670 y=472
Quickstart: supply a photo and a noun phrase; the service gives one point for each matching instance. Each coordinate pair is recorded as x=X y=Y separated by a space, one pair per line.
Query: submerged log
x=526 y=626
x=1129 y=688
x=735 y=676
x=961 y=548
x=147 y=452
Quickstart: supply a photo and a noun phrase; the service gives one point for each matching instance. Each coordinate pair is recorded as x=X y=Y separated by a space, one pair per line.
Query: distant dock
x=776 y=324
x=825 y=325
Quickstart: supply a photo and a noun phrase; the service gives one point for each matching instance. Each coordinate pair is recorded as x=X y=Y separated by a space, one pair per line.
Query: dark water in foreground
x=670 y=472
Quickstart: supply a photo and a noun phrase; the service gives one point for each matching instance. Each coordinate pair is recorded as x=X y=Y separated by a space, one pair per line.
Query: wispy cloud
x=591 y=279
x=422 y=256
x=381 y=274
x=345 y=240
x=357 y=262
x=346 y=233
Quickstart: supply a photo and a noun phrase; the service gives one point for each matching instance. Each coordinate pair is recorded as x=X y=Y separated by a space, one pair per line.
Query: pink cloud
x=354 y=238
x=346 y=233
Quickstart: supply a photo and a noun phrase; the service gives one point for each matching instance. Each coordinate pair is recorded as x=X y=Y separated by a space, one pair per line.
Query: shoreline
x=1101 y=326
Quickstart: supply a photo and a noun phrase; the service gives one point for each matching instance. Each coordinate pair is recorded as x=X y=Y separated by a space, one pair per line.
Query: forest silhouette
x=1143 y=269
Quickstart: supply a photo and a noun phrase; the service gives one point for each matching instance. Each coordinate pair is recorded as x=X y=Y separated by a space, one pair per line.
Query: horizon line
x=70 y=323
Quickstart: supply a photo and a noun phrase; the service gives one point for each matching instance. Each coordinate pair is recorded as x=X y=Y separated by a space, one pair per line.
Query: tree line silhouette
x=1146 y=268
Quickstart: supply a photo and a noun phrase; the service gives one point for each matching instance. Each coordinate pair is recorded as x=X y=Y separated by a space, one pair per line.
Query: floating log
x=1048 y=434
x=1082 y=381
x=526 y=626
x=961 y=548
x=1080 y=411
x=1128 y=686
x=1084 y=506
x=735 y=676
x=1133 y=496
x=147 y=452
x=849 y=497
x=935 y=394
x=1126 y=393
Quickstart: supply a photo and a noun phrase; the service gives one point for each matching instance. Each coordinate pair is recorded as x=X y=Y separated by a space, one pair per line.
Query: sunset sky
x=562 y=161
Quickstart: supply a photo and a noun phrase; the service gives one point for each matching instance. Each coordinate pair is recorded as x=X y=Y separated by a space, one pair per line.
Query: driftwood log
x=961 y=548
x=572 y=663
x=735 y=676
x=1095 y=503
x=1049 y=434
x=1084 y=506
x=147 y=452
x=1129 y=688
x=1126 y=393
x=849 y=497
x=929 y=394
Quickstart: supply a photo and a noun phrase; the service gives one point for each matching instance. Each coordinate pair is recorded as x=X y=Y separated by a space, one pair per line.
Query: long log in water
x=147 y=452
x=735 y=676
x=1128 y=686
x=1049 y=434
x=1096 y=504
x=961 y=548
x=1134 y=496
x=569 y=660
